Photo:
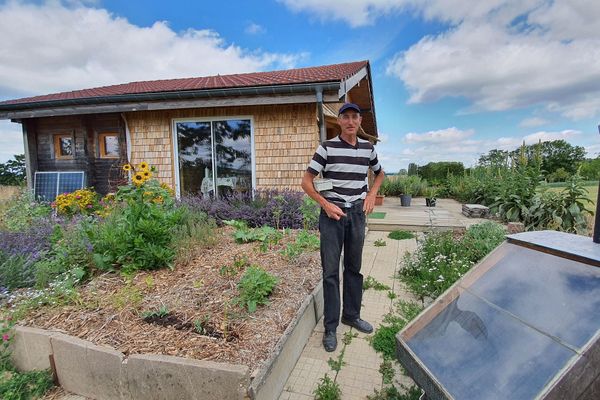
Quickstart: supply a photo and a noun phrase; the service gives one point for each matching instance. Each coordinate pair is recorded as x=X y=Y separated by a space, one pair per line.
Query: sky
x=452 y=79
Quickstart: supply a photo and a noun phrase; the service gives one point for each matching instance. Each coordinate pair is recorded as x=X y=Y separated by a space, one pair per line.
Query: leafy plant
x=386 y=369
x=305 y=241
x=201 y=324
x=23 y=211
x=162 y=312
x=239 y=264
x=128 y=296
x=400 y=235
x=392 y=393
x=391 y=295
x=327 y=389
x=348 y=336
x=384 y=338
x=255 y=287
x=337 y=364
x=16 y=385
x=372 y=283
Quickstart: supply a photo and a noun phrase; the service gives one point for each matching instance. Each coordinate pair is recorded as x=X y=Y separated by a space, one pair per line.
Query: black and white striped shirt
x=347 y=167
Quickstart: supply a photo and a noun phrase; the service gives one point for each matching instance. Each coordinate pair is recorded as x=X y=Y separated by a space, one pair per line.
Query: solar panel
x=49 y=184
x=523 y=324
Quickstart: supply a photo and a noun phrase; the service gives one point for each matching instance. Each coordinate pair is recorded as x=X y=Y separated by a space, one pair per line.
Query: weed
x=149 y=281
x=400 y=235
x=128 y=296
x=384 y=338
x=380 y=243
x=255 y=286
x=391 y=295
x=305 y=241
x=348 y=336
x=15 y=385
x=201 y=324
x=372 y=283
x=386 y=370
x=162 y=312
x=239 y=264
x=337 y=364
x=198 y=283
x=327 y=389
x=392 y=393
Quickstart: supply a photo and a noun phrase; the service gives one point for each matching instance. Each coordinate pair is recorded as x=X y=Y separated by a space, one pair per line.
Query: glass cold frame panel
x=195 y=155
x=510 y=326
x=555 y=295
x=233 y=156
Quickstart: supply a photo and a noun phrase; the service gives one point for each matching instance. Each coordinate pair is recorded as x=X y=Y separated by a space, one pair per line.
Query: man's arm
x=332 y=211
x=370 y=199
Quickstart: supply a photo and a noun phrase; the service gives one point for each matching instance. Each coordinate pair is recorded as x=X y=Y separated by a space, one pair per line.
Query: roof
x=327 y=73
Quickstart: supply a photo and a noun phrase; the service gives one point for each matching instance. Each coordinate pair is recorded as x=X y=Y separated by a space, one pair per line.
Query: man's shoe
x=359 y=324
x=329 y=341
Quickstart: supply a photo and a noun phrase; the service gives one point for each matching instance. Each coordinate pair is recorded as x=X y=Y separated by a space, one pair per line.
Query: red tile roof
x=327 y=73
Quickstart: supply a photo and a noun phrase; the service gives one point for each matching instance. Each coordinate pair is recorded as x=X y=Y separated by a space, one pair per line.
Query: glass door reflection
x=194 y=146
x=233 y=156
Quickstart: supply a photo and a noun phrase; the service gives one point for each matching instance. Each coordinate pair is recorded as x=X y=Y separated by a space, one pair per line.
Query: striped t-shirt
x=347 y=167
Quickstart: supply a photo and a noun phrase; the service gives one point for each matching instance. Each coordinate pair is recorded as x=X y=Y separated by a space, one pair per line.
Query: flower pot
x=379 y=200
x=430 y=202
x=405 y=200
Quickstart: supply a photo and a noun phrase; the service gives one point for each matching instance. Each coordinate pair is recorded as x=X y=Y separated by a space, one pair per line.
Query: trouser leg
x=354 y=238
x=332 y=239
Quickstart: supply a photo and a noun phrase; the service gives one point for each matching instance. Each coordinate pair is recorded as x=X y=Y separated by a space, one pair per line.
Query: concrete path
x=360 y=375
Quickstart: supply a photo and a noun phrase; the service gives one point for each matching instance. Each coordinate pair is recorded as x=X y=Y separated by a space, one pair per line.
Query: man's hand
x=369 y=203
x=333 y=211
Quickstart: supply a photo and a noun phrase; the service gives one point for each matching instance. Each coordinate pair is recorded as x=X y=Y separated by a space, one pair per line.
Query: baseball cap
x=349 y=106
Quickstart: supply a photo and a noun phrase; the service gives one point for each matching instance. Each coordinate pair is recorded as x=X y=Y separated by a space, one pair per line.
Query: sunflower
x=143 y=166
x=138 y=178
x=127 y=167
x=147 y=174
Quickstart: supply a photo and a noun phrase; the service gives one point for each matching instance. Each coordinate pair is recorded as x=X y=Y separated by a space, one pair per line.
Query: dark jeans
x=349 y=233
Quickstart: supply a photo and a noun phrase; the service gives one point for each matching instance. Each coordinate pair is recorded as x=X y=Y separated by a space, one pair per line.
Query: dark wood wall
x=104 y=174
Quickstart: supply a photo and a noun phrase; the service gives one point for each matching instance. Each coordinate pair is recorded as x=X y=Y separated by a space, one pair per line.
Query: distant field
x=592 y=188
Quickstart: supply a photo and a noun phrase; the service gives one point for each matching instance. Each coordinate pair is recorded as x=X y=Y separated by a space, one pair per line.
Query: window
x=108 y=143
x=63 y=146
x=214 y=156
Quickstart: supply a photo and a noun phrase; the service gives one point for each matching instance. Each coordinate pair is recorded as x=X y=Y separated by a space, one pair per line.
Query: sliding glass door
x=214 y=154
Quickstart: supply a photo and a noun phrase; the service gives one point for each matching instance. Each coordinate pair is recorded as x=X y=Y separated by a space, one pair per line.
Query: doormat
x=377 y=215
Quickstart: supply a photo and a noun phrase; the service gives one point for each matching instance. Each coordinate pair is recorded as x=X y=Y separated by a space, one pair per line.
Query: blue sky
x=452 y=79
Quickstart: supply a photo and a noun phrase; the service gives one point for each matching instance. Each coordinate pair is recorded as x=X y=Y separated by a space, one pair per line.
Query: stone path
x=360 y=375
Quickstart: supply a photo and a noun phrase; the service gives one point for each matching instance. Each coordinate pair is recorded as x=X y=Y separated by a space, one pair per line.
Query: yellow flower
x=143 y=166
x=127 y=167
x=147 y=174
x=138 y=178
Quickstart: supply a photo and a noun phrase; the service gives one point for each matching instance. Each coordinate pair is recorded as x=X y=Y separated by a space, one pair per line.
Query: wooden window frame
x=102 y=144
x=57 y=154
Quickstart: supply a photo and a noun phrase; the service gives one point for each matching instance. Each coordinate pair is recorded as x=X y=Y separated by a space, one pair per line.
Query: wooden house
x=233 y=132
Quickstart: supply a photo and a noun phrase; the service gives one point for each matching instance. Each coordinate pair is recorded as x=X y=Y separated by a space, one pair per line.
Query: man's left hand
x=369 y=204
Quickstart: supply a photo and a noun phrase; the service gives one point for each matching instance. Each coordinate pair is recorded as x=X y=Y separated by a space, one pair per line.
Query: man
x=345 y=160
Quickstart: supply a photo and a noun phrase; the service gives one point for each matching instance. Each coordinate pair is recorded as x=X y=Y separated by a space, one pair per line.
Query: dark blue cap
x=349 y=106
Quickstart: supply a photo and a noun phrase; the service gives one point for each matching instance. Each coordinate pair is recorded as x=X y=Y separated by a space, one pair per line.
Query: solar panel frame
x=49 y=184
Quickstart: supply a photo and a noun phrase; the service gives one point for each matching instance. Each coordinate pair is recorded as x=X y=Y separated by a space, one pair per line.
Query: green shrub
x=400 y=235
x=255 y=287
x=23 y=211
x=310 y=212
x=440 y=260
x=138 y=234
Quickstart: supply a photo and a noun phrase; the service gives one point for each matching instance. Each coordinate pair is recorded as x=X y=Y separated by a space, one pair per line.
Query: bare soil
x=202 y=321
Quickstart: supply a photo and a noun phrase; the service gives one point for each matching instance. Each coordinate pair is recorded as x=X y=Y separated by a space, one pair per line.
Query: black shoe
x=359 y=324
x=329 y=341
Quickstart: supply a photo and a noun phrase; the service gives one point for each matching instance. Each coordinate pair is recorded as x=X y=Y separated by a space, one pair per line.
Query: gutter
x=176 y=95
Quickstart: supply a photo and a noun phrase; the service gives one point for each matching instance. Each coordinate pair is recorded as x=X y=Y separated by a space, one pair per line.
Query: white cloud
x=354 y=12
x=506 y=55
x=550 y=136
x=53 y=47
x=533 y=122
x=11 y=140
x=440 y=136
x=254 y=29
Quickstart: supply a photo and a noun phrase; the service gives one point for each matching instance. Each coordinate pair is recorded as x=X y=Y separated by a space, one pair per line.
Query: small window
x=63 y=146
x=109 y=145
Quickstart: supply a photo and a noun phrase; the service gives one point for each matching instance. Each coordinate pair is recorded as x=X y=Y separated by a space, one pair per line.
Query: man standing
x=345 y=160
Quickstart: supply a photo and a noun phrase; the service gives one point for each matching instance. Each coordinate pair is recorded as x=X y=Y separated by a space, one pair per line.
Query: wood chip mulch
x=110 y=308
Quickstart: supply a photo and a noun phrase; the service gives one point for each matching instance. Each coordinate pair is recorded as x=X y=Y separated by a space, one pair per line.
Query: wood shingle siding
x=285 y=137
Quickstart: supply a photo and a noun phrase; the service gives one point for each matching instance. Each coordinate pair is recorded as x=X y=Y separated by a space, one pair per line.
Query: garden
x=142 y=272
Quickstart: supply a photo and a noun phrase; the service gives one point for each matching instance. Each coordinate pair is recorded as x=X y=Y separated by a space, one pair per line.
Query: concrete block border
x=101 y=373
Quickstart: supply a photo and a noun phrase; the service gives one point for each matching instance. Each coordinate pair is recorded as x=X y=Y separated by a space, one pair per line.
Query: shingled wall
x=285 y=138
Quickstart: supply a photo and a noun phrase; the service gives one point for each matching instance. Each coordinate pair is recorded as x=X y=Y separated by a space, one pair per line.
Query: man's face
x=350 y=122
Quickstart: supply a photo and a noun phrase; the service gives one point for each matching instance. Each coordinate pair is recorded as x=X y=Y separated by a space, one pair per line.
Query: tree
x=12 y=172
x=560 y=154
x=590 y=169
x=438 y=171
x=413 y=169
x=495 y=159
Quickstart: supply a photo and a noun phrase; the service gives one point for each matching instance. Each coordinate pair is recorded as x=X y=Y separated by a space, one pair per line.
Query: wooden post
x=30 y=147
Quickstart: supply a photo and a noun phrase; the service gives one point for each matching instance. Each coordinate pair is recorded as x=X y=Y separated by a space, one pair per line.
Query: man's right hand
x=333 y=211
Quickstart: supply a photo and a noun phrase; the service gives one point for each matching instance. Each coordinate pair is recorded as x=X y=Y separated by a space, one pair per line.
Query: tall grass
x=7 y=192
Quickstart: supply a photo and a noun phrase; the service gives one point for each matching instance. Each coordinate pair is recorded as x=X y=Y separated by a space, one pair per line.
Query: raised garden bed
x=191 y=313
